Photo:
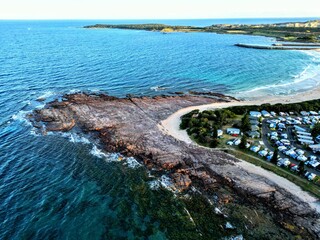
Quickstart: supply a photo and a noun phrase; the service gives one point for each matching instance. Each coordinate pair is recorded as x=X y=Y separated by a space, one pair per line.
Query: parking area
x=290 y=135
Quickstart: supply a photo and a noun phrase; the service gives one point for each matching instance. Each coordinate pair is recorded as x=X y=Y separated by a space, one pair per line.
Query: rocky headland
x=130 y=126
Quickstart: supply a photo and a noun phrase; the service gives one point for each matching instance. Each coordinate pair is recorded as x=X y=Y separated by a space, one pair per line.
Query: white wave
x=72 y=91
x=238 y=237
x=39 y=106
x=35 y=132
x=109 y=157
x=46 y=95
x=95 y=90
x=21 y=116
x=158 y=88
x=314 y=54
x=164 y=182
x=27 y=102
x=310 y=72
x=95 y=151
x=154 y=185
x=132 y=162
x=76 y=138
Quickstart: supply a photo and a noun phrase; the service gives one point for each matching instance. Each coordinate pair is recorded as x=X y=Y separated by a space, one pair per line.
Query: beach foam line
x=310 y=73
x=75 y=138
x=305 y=75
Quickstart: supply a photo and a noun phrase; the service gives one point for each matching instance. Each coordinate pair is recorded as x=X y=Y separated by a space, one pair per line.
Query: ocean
x=62 y=186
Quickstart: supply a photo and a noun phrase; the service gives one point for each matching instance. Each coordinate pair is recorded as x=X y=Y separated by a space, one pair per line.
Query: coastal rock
x=182 y=181
x=130 y=126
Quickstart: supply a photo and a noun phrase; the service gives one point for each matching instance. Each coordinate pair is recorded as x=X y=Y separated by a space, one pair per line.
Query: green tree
x=244 y=141
x=245 y=123
x=184 y=123
x=215 y=132
x=316 y=130
x=214 y=143
x=214 y=140
x=274 y=158
x=301 y=167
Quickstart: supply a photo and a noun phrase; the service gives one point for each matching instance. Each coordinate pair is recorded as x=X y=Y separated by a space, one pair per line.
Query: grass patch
x=283 y=172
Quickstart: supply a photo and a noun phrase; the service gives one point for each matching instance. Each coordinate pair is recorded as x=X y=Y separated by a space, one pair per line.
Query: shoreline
x=130 y=126
x=170 y=126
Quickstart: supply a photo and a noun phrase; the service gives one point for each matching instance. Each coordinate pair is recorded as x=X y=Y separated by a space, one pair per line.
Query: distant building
x=265 y=113
x=254 y=134
x=304 y=113
x=233 y=131
x=254 y=122
x=255 y=114
x=305 y=141
x=254 y=128
x=300 y=129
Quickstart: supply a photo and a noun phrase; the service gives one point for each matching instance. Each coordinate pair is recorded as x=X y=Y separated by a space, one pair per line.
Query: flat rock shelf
x=130 y=126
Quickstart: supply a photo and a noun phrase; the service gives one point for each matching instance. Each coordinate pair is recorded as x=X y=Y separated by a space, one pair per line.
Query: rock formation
x=129 y=126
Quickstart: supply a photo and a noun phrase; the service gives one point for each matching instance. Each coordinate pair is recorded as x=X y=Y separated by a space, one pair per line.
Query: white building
x=265 y=113
x=233 y=131
x=315 y=148
x=255 y=114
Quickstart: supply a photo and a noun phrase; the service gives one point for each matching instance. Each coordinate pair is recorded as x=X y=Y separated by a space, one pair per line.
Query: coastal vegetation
x=279 y=107
x=316 y=130
x=306 y=32
x=203 y=126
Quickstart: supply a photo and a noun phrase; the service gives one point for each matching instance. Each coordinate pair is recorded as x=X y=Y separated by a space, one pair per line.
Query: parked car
x=263 y=153
x=230 y=142
x=269 y=157
x=255 y=148
x=283 y=162
x=285 y=142
x=236 y=142
x=302 y=158
x=312 y=158
x=300 y=152
x=310 y=176
x=282 y=148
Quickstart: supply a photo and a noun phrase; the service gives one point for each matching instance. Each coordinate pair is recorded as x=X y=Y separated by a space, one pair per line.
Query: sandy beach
x=170 y=126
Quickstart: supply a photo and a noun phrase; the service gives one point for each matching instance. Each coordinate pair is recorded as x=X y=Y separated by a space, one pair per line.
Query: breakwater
x=297 y=44
x=275 y=47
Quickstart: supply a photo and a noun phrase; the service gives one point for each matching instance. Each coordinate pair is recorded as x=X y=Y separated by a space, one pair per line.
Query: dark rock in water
x=130 y=126
x=215 y=95
x=41 y=99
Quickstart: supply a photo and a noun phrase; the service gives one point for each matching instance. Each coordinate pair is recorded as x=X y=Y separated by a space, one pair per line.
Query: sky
x=156 y=9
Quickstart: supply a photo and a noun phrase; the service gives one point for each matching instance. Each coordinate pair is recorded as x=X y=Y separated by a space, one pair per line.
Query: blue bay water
x=54 y=187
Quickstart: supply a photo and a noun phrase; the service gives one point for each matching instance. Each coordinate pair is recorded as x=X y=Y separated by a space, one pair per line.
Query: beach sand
x=170 y=126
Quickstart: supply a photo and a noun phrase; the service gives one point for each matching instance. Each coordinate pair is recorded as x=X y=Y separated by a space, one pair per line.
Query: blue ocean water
x=59 y=187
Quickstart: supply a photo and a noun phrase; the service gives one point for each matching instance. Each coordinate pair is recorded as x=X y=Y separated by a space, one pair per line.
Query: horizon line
x=93 y=19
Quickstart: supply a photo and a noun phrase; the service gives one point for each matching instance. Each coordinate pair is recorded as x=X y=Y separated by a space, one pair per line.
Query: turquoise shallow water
x=59 y=187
